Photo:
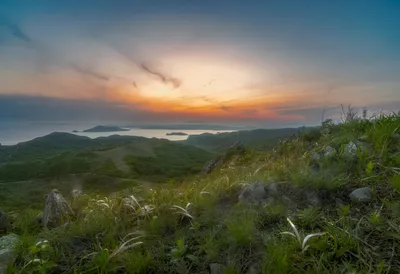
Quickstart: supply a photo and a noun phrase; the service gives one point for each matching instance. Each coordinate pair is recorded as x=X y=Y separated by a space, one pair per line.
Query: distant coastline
x=105 y=129
x=177 y=134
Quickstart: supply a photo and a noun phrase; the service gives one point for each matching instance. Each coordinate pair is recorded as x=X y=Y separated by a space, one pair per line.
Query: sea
x=12 y=132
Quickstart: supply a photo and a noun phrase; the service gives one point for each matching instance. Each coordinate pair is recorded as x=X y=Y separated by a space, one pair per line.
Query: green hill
x=29 y=169
x=323 y=201
x=258 y=138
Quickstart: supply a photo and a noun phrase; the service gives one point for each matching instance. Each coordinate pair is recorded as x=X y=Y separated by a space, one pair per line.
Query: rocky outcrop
x=4 y=222
x=361 y=195
x=237 y=148
x=8 y=246
x=212 y=165
x=56 y=211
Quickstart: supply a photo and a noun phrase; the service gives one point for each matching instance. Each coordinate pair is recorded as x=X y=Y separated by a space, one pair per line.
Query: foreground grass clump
x=184 y=228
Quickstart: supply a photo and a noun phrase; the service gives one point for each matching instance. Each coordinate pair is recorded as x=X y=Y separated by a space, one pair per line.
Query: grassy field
x=192 y=226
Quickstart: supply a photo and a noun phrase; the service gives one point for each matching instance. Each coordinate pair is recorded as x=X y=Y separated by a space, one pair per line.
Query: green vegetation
x=185 y=227
x=258 y=138
x=104 y=165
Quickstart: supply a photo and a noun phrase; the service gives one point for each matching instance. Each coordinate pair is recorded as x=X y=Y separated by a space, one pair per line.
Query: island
x=106 y=129
x=177 y=134
x=75 y=131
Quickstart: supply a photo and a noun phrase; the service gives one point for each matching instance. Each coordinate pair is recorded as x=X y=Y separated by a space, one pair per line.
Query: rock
x=217 y=268
x=211 y=165
x=8 y=246
x=272 y=188
x=56 y=211
x=4 y=222
x=363 y=194
x=329 y=152
x=237 y=148
x=254 y=193
x=315 y=156
x=351 y=149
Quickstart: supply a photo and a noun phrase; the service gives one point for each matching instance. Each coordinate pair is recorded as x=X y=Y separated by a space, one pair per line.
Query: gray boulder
x=217 y=268
x=351 y=149
x=8 y=246
x=254 y=193
x=329 y=152
x=56 y=211
x=361 y=195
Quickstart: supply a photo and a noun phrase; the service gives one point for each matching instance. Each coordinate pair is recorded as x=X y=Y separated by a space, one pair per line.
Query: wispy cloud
x=175 y=82
x=89 y=72
x=15 y=30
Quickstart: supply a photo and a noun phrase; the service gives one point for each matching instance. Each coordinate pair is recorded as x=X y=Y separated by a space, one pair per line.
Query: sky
x=267 y=63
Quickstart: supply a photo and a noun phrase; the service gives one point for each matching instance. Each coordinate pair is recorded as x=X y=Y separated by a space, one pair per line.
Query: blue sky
x=263 y=62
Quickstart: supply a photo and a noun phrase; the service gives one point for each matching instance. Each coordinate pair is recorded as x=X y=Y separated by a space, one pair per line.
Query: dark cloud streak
x=15 y=30
x=176 y=83
x=89 y=72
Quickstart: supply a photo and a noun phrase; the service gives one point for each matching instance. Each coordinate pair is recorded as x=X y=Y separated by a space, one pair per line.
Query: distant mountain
x=190 y=127
x=258 y=138
x=177 y=134
x=56 y=143
x=105 y=129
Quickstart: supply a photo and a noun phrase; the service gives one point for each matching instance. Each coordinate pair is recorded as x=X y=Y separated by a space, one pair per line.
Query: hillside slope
x=258 y=138
x=321 y=202
x=64 y=161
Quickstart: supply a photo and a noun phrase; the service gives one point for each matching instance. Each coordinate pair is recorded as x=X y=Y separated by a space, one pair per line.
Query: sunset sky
x=259 y=62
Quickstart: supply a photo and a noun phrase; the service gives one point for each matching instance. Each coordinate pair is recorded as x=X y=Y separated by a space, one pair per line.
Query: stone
x=361 y=195
x=212 y=165
x=216 y=268
x=329 y=152
x=56 y=211
x=254 y=193
x=235 y=149
x=351 y=149
x=272 y=188
x=8 y=246
x=4 y=222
